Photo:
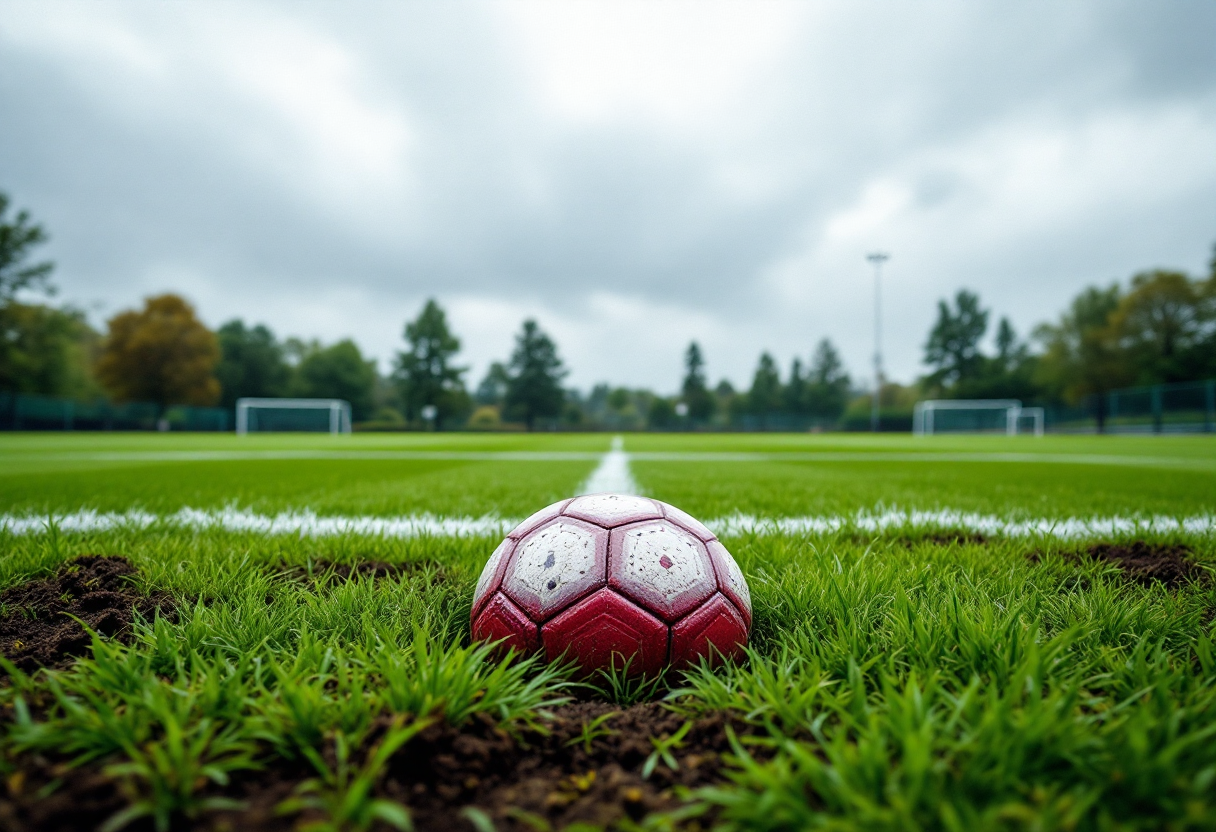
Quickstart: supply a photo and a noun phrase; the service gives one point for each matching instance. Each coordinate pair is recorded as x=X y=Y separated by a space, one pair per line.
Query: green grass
x=894 y=681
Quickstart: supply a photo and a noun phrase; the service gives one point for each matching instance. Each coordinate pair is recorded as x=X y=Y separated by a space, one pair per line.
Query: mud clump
x=1147 y=563
x=583 y=771
x=37 y=619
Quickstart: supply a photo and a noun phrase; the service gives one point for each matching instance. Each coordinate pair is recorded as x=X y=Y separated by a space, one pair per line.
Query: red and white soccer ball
x=608 y=577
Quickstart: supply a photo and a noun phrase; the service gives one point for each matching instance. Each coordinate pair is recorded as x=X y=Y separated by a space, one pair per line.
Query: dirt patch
x=325 y=572
x=561 y=777
x=1140 y=562
x=571 y=774
x=1147 y=563
x=36 y=619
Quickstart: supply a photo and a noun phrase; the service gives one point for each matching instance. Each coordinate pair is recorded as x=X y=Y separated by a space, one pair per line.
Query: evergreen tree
x=694 y=391
x=493 y=388
x=765 y=396
x=827 y=384
x=796 y=391
x=424 y=372
x=536 y=372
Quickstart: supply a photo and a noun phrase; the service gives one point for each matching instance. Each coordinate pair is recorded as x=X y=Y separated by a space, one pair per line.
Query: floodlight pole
x=877 y=258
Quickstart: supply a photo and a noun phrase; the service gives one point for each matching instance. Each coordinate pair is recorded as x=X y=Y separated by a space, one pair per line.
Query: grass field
x=950 y=633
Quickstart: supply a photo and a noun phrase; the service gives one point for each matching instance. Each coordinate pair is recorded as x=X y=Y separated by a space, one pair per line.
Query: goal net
x=283 y=415
x=976 y=416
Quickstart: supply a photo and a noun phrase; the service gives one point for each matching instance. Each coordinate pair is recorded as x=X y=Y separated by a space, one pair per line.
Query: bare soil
x=37 y=619
x=1143 y=563
x=1146 y=563
x=520 y=783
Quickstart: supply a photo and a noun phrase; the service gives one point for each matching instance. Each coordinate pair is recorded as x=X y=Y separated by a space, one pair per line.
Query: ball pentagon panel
x=555 y=565
x=661 y=566
x=714 y=630
x=502 y=620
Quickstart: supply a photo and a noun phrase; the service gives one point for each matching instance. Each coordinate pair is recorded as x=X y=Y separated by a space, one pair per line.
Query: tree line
x=1160 y=328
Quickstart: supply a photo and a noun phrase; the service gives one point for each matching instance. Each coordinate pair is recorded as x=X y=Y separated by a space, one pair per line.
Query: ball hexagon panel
x=611 y=510
x=503 y=620
x=686 y=520
x=603 y=628
x=491 y=575
x=661 y=566
x=538 y=519
x=714 y=629
x=556 y=565
x=730 y=579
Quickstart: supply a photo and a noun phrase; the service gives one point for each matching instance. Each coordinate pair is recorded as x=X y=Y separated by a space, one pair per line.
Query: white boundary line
x=612 y=475
x=307 y=523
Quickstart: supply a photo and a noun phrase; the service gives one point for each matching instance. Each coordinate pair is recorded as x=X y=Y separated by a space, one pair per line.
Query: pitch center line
x=612 y=475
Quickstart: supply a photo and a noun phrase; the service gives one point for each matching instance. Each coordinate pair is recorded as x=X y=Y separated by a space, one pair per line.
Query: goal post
x=975 y=416
x=284 y=415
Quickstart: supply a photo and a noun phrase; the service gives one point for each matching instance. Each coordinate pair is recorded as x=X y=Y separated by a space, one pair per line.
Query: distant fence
x=1189 y=407
x=19 y=411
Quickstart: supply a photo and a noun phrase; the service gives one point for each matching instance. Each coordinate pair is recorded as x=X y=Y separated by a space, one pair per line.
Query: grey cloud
x=507 y=201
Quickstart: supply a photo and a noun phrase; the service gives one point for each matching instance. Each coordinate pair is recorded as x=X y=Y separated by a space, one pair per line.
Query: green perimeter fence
x=1163 y=408
x=19 y=411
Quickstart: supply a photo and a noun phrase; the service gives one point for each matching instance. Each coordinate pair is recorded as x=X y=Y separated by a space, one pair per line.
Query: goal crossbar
x=339 y=411
x=924 y=411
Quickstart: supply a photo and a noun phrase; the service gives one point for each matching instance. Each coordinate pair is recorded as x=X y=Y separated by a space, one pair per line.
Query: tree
x=252 y=363
x=765 y=396
x=827 y=384
x=536 y=372
x=424 y=373
x=338 y=371
x=46 y=351
x=796 y=390
x=694 y=392
x=1079 y=355
x=160 y=354
x=953 y=345
x=493 y=388
x=1164 y=327
x=18 y=236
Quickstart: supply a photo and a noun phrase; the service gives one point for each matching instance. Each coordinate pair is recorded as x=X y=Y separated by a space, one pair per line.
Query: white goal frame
x=923 y=412
x=339 y=411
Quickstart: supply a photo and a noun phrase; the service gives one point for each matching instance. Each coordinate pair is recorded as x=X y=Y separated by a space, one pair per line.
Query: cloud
x=633 y=175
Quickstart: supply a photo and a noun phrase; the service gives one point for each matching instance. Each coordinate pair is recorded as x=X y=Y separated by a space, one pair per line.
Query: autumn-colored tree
x=160 y=354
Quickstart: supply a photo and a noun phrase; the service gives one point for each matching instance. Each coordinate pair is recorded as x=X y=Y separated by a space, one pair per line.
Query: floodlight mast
x=877 y=258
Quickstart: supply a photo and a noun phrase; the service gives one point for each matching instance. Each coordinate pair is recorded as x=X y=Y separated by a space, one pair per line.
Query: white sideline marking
x=309 y=524
x=612 y=476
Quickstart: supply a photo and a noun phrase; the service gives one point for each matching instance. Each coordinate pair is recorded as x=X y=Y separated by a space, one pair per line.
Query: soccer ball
x=606 y=578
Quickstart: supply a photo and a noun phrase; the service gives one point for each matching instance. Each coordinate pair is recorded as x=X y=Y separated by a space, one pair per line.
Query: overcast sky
x=634 y=176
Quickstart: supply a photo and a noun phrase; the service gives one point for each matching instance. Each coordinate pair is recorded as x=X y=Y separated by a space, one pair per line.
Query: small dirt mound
x=1147 y=563
x=558 y=778
x=36 y=627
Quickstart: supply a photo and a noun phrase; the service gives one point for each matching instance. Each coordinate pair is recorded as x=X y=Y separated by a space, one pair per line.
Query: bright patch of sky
x=633 y=175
